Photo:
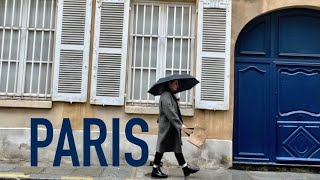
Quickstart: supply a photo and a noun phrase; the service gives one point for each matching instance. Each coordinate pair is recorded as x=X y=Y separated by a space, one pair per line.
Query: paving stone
x=313 y=176
x=118 y=172
x=59 y=170
x=88 y=171
x=29 y=170
x=43 y=176
x=7 y=167
x=241 y=175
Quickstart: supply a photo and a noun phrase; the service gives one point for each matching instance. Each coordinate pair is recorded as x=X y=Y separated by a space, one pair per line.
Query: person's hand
x=183 y=126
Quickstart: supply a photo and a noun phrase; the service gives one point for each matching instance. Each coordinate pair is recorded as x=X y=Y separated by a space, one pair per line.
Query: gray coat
x=169 y=136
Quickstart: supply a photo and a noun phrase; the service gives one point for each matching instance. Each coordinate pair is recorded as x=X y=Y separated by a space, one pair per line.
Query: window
x=26 y=48
x=161 y=44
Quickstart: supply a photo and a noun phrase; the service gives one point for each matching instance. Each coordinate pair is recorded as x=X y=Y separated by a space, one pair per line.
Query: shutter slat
x=211 y=25
x=107 y=66
x=112 y=15
x=212 y=81
x=66 y=74
x=73 y=22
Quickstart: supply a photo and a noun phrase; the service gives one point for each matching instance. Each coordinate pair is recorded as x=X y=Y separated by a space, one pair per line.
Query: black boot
x=189 y=170
x=157 y=173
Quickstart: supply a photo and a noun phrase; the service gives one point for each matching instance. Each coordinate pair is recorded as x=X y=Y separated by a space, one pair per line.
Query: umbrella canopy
x=186 y=82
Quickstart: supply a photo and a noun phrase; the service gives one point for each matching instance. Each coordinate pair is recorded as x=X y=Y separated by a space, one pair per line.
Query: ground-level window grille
x=26 y=48
x=161 y=44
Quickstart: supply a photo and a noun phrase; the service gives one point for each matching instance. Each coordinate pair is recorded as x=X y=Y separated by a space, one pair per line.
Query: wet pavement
x=14 y=171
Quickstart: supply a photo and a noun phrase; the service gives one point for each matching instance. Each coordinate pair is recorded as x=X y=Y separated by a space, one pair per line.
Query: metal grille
x=162 y=44
x=26 y=43
x=178 y=44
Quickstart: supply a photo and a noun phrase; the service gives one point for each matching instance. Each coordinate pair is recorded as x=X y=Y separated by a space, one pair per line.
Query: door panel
x=298 y=142
x=252 y=115
x=298 y=112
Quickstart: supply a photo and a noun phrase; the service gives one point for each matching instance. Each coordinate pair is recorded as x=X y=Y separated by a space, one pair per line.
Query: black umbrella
x=186 y=82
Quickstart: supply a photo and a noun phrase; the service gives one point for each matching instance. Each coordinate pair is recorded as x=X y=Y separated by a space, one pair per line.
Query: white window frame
x=143 y=106
x=24 y=31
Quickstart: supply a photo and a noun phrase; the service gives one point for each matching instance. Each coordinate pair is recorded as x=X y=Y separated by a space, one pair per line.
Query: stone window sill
x=154 y=110
x=26 y=104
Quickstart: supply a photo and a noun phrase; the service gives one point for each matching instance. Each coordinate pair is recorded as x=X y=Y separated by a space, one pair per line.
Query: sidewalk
x=14 y=171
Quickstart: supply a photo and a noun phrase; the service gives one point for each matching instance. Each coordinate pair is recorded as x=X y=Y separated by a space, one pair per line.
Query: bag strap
x=188 y=133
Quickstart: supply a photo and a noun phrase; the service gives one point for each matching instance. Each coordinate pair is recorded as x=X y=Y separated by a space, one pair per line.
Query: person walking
x=170 y=124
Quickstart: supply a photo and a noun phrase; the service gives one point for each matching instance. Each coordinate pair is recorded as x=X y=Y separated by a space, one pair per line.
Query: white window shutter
x=72 y=44
x=110 y=52
x=213 y=54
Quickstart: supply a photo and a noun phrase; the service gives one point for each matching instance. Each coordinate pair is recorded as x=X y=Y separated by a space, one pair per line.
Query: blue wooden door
x=277 y=89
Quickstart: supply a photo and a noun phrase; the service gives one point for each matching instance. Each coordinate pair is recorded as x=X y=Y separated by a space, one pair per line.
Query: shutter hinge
x=215 y=4
x=99 y=3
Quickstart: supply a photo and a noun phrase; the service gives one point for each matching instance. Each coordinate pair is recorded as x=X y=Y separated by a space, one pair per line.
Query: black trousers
x=179 y=156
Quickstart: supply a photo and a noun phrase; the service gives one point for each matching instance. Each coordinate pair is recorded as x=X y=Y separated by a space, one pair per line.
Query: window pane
x=45 y=46
x=136 y=85
x=144 y=85
x=155 y=23
x=178 y=21
x=169 y=72
x=154 y=53
x=170 y=21
x=177 y=54
x=40 y=13
x=11 y=78
x=2 y=10
x=147 y=26
x=185 y=54
x=1 y=31
x=152 y=81
x=34 y=46
x=43 y=75
x=146 y=52
x=169 y=53
x=49 y=13
x=12 y=14
x=9 y=53
x=6 y=42
x=35 y=53
x=150 y=16
x=137 y=51
x=140 y=19
x=31 y=71
x=38 y=80
x=186 y=20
